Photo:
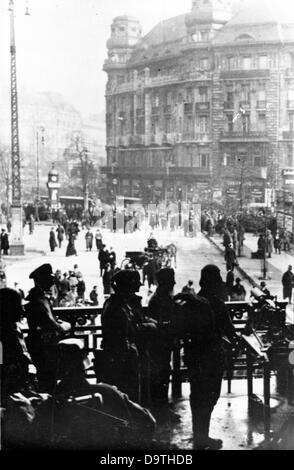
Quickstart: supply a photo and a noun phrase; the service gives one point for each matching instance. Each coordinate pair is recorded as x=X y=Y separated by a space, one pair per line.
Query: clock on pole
x=53 y=186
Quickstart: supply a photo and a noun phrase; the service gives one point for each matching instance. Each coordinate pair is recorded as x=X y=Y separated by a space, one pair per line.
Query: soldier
x=89 y=416
x=44 y=330
x=205 y=323
x=162 y=308
x=121 y=356
x=16 y=359
x=145 y=329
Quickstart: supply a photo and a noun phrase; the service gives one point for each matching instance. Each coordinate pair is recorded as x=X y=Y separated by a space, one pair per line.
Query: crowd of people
x=132 y=368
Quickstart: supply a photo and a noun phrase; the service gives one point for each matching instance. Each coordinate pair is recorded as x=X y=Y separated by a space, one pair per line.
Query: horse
x=171 y=251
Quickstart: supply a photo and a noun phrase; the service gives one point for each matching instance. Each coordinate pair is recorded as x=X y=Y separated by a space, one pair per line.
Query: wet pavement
x=233 y=420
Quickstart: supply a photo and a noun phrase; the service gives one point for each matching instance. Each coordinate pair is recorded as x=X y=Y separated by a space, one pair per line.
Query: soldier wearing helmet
x=119 y=330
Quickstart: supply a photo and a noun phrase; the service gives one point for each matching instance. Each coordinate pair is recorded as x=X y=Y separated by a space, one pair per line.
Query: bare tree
x=83 y=173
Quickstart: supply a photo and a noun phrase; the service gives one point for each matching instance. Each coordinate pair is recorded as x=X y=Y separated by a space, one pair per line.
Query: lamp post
x=114 y=182
x=16 y=243
x=39 y=132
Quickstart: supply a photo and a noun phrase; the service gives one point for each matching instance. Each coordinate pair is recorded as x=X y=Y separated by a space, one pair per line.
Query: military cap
x=122 y=281
x=165 y=276
x=43 y=271
x=71 y=351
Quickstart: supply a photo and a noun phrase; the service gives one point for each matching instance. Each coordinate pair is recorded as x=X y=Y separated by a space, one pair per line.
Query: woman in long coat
x=71 y=249
x=52 y=240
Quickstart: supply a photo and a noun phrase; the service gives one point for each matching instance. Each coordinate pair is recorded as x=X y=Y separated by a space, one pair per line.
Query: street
x=193 y=255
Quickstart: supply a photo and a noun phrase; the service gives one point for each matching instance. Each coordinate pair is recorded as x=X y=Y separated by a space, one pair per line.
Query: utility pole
x=16 y=242
x=41 y=130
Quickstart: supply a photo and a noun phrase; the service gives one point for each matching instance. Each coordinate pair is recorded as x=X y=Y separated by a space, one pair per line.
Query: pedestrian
x=98 y=240
x=70 y=299
x=77 y=271
x=238 y=291
x=81 y=288
x=89 y=240
x=44 y=330
x=230 y=282
x=71 y=249
x=189 y=289
x=230 y=258
x=103 y=257
x=269 y=243
x=52 y=240
x=64 y=285
x=265 y=291
x=277 y=244
x=106 y=279
x=226 y=238
x=204 y=353
x=112 y=258
x=121 y=361
x=31 y=224
x=94 y=296
x=162 y=309
x=4 y=242
x=288 y=282
x=60 y=235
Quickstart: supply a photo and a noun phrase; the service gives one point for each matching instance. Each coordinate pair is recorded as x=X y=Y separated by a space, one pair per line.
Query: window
x=257 y=161
x=230 y=98
x=291 y=122
x=231 y=63
x=263 y=63
x=203 y=94
x=189 y=95
x=167 y=125
x=246 y=63
x=204 y=160
x=246 y=123
x=230 y=124
x=261 y=122
x=204 y=35
x=203 y=124
x=154 y=125
x=155 y=101
x=290 y=159
x=204 y=63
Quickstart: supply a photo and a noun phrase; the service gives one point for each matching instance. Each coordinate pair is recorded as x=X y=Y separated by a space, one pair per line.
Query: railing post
x=176 y=373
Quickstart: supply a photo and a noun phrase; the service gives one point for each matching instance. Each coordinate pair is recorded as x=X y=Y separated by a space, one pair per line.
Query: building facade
x=202 y=107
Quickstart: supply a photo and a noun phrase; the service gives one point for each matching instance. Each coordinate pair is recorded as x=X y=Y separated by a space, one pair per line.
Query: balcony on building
x=137 y=139
x=203 y=106
x=239 y=136
x=167 y=109
x=245 y=74
x=245 y=104
x=261 y=104
x=167 y=138
x=155 y=110
x=288 y=135
x=188 y=108
x=140 y=112
x=229 y=105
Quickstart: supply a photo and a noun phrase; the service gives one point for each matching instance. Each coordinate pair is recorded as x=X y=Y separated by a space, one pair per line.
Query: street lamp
x=16 y=244
x=114 y=182
x=41 y=131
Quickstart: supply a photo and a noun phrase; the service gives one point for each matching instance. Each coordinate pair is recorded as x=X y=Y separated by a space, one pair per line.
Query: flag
x=241 y=113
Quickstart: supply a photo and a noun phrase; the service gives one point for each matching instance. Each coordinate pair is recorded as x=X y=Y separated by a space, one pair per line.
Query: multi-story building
x=47 y=124
x=202 y=107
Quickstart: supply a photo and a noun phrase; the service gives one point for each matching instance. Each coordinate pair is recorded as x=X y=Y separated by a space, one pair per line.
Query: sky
x=61 y=46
